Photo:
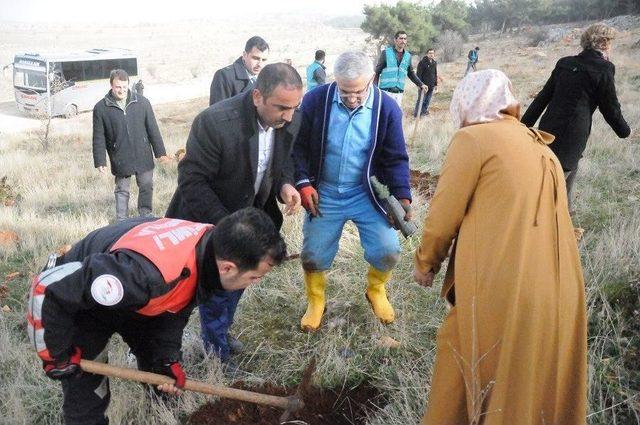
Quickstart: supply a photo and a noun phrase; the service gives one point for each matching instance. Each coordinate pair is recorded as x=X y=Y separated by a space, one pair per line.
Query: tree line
x=426 y=22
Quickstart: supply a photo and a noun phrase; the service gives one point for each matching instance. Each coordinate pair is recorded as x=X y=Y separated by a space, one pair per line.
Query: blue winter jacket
x=388 y=159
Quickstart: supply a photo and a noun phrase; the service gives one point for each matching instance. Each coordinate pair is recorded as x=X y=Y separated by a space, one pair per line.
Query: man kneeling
x=139 y=278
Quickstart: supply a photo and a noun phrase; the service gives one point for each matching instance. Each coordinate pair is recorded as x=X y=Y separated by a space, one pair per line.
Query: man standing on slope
x=394 y=65
x=350 y=132
x=239 y=155
x=316 y=74
x=125 y=128
x=241 y=75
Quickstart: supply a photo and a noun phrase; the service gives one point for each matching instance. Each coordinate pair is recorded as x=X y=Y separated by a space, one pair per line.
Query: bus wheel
x=70 y=111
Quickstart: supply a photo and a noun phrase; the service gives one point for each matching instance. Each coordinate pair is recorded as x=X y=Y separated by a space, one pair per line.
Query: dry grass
x=62 y=198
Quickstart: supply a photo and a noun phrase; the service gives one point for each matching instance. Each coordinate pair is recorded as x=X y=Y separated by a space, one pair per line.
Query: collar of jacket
x=591 y=53
x=240 y=70
x=109 y=100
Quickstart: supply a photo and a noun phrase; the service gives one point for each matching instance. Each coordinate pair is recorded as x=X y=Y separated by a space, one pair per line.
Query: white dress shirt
x=265 y=152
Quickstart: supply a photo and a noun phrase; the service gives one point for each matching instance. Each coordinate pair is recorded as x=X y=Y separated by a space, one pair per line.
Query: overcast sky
x=131 y=11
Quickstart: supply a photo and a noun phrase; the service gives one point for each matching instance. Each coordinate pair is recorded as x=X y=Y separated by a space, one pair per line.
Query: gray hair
x=352 y=65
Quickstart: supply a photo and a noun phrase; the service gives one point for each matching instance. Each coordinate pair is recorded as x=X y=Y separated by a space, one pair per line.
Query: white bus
x=67 y=84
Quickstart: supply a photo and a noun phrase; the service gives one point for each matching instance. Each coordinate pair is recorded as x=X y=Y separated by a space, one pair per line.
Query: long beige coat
x=513 y=350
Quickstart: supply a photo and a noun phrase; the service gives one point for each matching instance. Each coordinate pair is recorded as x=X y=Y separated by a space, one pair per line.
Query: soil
x=338 y=406
x=423 y=182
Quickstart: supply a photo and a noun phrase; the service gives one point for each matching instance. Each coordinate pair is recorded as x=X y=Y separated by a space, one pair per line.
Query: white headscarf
x=483 y=96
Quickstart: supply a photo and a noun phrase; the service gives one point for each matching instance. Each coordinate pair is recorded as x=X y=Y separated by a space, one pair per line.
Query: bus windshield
x=29 y=79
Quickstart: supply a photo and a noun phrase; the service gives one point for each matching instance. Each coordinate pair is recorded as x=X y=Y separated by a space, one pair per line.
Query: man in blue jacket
x=350 y=131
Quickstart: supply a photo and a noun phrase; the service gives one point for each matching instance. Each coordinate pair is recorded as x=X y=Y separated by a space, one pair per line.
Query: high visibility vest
x=311 y=69
x=393 y=75
x=170 y=244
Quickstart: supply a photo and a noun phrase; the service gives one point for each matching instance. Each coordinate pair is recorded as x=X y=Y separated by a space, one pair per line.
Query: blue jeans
x=471 y=66
x=426 y=100
x=216 y=316
x=321 y=235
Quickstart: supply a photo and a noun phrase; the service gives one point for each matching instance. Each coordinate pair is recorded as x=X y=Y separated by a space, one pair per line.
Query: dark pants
x=569 y=178
x=86 y=397
x=426 y=100
x=216 y=316
x=145 y=194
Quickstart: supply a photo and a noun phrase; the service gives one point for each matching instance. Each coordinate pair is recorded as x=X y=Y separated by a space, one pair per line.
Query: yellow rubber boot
x=315 y=282
x=377 y=295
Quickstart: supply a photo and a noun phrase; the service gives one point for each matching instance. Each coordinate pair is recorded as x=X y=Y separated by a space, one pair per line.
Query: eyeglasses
x=359 y=94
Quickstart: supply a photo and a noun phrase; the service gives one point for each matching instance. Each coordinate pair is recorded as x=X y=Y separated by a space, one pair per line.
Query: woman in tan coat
x=512 y=350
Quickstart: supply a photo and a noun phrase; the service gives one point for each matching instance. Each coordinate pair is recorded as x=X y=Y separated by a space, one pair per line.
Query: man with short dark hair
x=428 y=73
x=141 y=279
x=316 y=74
x=125 y=128
x=239 y=155
x=240 y=75
x=394 y=65
x=472 y=57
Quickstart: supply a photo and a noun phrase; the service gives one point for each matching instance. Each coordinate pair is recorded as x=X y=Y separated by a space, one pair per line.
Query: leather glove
x=309 y=199
x=64 y=369
x=174 y=370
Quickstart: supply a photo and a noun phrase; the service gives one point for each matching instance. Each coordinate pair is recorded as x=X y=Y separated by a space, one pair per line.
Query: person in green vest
x=394 y=65
x=316 y=74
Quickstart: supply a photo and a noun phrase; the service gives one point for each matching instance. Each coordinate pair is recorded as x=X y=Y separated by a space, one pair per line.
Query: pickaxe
x=290 y=404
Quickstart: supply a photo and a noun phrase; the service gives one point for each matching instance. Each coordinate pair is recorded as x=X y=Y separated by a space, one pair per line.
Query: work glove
x=64 y=369
x=174 y=370
x=309 y=199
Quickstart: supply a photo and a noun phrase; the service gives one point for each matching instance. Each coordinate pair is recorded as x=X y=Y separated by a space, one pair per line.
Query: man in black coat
x=427 y=71
x=239 y=155
x=577 y=86
x=125 y=128
x=139 y=278
x=241 y=75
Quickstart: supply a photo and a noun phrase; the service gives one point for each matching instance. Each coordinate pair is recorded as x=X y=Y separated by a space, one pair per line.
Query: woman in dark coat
x=577 y=86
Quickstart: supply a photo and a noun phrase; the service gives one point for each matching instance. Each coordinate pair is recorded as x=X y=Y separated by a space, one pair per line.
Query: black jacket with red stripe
x=91 y=276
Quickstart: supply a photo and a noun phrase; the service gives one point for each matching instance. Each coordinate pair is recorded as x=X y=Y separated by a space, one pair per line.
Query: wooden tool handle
x=290 y=403
x=415 y=125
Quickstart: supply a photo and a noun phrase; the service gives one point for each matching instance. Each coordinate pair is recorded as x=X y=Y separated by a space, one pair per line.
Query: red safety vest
x=170 y=245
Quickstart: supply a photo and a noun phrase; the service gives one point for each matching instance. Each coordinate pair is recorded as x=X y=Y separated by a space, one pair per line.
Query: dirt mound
x=424 y=183
x=336 y=406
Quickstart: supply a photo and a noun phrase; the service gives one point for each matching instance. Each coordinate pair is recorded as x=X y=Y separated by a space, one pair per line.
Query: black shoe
x=235 y=346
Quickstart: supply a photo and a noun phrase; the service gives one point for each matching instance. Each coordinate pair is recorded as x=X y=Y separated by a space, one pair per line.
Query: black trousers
x=86 y=397
x=569 y=178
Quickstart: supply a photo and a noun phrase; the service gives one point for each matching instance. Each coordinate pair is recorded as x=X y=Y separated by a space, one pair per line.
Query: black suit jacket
x=229 y=81
x=216 y=177
x=577 y=86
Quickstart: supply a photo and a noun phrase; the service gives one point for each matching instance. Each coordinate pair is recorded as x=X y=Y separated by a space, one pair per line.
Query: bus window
x=130 y=65
x=72 y=71
x=93 y=70
x=29 y=79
